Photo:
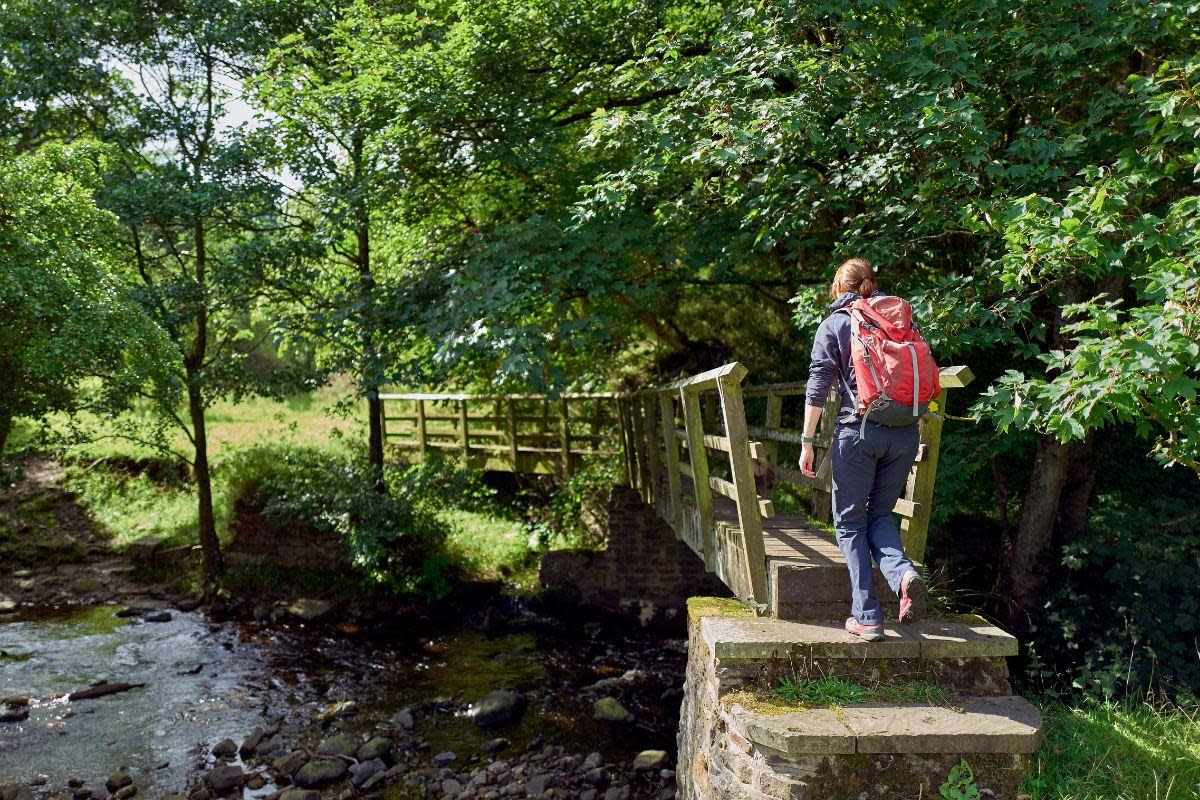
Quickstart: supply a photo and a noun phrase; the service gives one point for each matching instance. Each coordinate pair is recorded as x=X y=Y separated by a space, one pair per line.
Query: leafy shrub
x=1126 y=613
x=393 y=540
x=442 y=483
x=560 y=518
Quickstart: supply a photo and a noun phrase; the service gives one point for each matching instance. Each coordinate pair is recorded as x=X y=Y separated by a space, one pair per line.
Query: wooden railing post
x=693 y=423
x=464 y=435
x=641 y=448
x=914 y=530
x=729 y=388
x=564 y=435
x=773 y=419
x=511 y=416
x=654 y=465
x=623 y=430
x=422 y=435
x=666 y=409
x=822 y=498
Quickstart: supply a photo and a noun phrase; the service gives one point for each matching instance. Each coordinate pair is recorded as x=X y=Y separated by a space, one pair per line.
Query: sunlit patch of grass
x=129 y=506
x=1119 y=750
x=488 y=547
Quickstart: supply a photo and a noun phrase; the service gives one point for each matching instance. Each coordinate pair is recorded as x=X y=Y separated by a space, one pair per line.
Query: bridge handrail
x=658 y=454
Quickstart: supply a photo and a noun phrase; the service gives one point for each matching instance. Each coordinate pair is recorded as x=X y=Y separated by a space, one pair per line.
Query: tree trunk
x=210 y=545
x=1076 y=498
x=1024 y=575
x=366 y=287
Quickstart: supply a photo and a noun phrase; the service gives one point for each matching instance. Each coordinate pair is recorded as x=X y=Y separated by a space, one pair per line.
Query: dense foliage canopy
x=602 y=194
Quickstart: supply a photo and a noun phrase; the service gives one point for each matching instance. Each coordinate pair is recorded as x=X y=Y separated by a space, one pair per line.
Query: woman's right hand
x=806 y=460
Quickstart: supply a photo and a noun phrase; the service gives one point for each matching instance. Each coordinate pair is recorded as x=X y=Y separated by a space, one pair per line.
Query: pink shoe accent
x=868 y=633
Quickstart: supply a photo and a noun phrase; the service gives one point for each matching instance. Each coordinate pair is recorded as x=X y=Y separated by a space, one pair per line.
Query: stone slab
x=757 y=638
x=943 y=639
x=984 y=725
x=811 y=731
x=749 y=639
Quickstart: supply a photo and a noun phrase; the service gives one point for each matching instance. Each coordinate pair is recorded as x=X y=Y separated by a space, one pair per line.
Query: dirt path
x=53 y=553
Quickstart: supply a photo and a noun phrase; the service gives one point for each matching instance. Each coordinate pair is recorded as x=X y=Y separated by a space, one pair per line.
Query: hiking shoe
x=868 y=633
x=914 y=597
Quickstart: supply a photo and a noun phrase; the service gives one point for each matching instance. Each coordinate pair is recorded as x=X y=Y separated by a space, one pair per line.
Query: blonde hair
x=854 y=275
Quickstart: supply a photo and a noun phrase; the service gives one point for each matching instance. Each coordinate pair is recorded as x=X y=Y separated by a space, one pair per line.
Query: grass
x=832 y=691
x=489 y=547
x=1119 y=750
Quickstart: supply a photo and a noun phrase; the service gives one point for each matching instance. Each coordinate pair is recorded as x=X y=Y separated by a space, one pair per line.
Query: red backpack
x=896 y=374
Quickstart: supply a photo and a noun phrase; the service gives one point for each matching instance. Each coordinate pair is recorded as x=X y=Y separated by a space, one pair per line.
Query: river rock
x=102 y=689
x=404 y=719
x=225 y=778
x=15 y=701
x=319 y=772
x=498 y=708
x=126 y=792
x=442 y=759
x=269 y=747
x=255 y=781
x=536 y=786
x=451 y=787
x=15 y=793
x=611 y=710
x=310 y=609
x=157 y=616
x=291 y=763
x=300 y=794
x=617 y=793
x=379 y=747
x=117 y=781
x=648 y=760
x=226 y=748
x=587 y=794
x=14 y=715
x=341 y=745
x=250 y=743
x=346 y=708
x=495 y=745
x=7 y=604
x=361 y=772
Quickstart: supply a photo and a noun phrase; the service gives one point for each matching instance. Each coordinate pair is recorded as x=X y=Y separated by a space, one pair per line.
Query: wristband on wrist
x=807 y=439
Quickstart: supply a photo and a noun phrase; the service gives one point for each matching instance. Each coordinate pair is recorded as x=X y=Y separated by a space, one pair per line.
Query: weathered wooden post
x=511 y=417
x=773 y=419
x=464 y=436
x=729 y=389
x=914 y=530
x=422 y=435
x=564 y=435
x=693 y=423
x=666 y=407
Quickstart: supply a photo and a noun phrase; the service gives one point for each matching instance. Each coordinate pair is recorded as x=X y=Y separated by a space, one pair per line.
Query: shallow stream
x=205 y=681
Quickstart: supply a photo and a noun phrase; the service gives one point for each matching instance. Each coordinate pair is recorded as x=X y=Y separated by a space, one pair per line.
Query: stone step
x=818 y=587
x=758 y=638
x=965 y=656
x=1009 y=725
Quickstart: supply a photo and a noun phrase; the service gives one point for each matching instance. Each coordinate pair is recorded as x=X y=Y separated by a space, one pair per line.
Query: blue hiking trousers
x=870 y=469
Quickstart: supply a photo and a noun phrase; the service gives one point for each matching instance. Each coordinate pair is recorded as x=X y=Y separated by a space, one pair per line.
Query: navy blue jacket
x=831 y=361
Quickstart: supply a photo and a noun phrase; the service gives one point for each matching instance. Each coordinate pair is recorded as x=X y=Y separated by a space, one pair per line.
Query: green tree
x=65 y=313
x=327 y=121
x=200 y=219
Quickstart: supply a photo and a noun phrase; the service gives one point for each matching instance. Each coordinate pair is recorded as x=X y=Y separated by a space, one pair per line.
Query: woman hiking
x=876 y=437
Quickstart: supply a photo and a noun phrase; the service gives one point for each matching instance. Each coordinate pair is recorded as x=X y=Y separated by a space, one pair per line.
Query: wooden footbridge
x=698 y=451
x=700 y=458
